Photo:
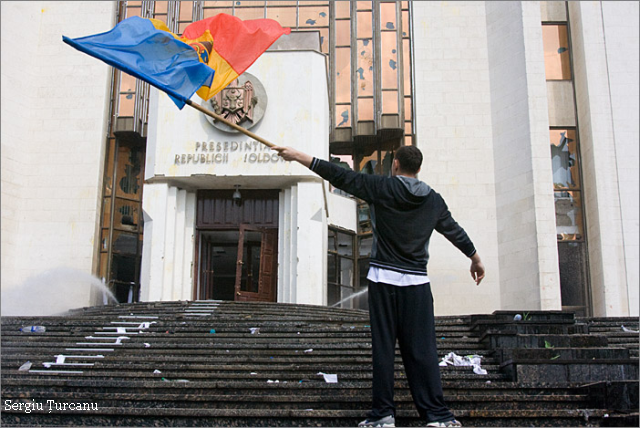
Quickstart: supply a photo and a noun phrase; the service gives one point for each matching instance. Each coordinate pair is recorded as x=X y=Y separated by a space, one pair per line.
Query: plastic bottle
x=34 y=329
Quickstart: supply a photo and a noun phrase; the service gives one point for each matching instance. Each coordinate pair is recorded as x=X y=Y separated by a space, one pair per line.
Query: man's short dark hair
x=410 y=159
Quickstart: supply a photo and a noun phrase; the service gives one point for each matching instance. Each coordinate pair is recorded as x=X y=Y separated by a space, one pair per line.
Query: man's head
x=407 y=161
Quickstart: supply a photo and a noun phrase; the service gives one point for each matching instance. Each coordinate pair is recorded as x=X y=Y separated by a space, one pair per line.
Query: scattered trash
x=628 y=330
x=255 y=330
x=212 y=331
x=146 y=324
x=488 y=381
x=273 y=381
x=329 y=378
x=517 y=317
x=25 y=367
x=119 y=340
x=308 y=410
x=307 y=351
x=254 y=373
x=156 y=371
x=470 y=360
x=122 y=330
x=33 y=329
x=147 y=345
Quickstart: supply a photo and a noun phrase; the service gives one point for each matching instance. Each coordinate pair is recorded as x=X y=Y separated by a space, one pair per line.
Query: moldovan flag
x=236 y=45
x=146 y=49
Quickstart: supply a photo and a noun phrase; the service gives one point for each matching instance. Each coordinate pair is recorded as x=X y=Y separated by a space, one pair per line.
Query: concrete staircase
x=210 y=363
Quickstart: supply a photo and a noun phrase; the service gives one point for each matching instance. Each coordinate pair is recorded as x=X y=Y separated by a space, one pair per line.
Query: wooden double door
x=237 y=255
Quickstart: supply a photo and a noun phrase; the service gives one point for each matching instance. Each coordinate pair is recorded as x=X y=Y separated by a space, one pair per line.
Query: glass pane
x=365 y=28
x=317 y=16
x=405 y=23
x=343 y=33
x=108 y=174
x=389 y=60
x=250 y=280
x=186 y=11
x=286 y=16
x=333 y=294
x=407 y=110
x=556 y=52
x=127 y=83
x=388 y=16
x=343 y=75
x=127 y=214
x=572 y=259
x=249 y=4
x=332 y=277
x=128 y=175
x=104 y=261
x=364 y=72
x=218 y=4
x=345 y=244
x=208 y=13
x=369 y=164
x=564 y=158
x=125 y=242
x=132 y=11
x=346 y=272
x=106 y=212
x=126 y=105
x=160 y=7
x=343 y=116
x=249 y=13
x=332 y=244
x=406 y=72
x=389 y=102
x=365 y=109
x=343 y=9
x=569 y=222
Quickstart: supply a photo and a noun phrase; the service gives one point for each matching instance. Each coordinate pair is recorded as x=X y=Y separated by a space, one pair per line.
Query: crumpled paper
x=470 y=360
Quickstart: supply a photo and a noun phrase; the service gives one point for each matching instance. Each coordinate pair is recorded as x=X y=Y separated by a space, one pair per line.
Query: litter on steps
x=470 y=360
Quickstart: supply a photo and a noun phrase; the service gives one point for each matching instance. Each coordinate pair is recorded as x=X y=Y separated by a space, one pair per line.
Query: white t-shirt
x=387 y=276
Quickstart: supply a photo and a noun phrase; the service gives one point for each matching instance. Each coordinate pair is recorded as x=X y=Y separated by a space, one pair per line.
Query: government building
x=526 y=113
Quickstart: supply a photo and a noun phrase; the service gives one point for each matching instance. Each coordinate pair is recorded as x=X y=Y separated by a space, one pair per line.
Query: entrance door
x=238 y=265
x=256 y=265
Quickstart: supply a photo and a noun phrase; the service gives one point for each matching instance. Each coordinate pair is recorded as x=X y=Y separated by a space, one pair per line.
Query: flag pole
x=231 y=124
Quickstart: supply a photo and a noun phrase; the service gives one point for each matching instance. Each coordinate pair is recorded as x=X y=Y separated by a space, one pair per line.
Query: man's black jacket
x=404 y=213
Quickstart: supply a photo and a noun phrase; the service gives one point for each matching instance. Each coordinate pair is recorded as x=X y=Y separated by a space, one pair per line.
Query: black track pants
x=405 y=314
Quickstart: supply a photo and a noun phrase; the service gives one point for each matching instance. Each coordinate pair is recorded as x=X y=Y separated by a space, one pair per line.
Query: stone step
x=336 y=401
x=292 y=417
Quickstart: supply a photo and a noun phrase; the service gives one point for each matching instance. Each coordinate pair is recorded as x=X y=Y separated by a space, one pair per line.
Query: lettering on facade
x=222 y=152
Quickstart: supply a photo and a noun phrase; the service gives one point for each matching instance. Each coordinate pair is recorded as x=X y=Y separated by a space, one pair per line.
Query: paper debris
x=628 y=330
x=470 y=360
x=255 y=330
x=147 y=345
x=254 y=373
x=308 y=351
x=25 y=367
x=156 y=371
x=329 y=378
x=273 y=381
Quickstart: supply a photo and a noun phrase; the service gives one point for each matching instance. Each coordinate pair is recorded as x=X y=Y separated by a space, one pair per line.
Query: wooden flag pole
x=231 y=124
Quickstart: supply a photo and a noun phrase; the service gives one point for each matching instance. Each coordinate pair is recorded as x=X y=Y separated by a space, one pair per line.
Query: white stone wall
x=524 y=198
x=453 y=118
x=169 y=240
x=621 y=28
x=54 y=116
x=605 y=233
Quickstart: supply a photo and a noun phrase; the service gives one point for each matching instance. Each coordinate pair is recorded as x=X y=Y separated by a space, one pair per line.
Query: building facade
x=526 y=113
